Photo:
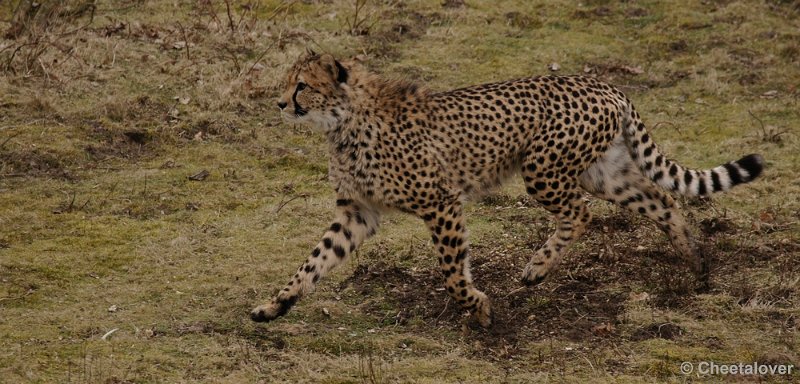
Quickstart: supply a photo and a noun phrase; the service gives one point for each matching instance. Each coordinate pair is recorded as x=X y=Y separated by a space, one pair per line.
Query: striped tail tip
x=753 y=164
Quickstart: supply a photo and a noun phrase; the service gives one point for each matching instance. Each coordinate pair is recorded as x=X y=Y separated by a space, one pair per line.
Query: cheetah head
x=313 y=91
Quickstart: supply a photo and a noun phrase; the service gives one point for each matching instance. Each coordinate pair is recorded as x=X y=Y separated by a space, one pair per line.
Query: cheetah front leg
x=353 y=224
x=450 y=239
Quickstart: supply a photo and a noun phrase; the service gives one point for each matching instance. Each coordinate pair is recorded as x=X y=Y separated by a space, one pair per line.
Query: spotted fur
x=394 y=145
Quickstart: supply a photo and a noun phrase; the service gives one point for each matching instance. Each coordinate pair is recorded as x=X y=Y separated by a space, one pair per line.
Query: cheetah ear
x=341 y=75
x=335 y=68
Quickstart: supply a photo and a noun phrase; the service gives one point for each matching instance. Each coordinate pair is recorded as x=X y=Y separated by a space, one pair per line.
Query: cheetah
x=397 y=146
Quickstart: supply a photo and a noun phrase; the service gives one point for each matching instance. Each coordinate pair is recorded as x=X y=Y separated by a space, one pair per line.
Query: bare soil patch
x=583 y=301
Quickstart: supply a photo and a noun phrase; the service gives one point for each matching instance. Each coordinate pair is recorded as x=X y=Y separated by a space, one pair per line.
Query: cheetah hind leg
x=617 y=179
x=563 y=199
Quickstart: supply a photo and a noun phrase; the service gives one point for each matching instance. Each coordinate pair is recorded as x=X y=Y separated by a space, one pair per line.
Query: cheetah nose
x=281 y=104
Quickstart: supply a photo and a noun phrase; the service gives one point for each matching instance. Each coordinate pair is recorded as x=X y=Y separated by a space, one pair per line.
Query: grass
x=103 y=120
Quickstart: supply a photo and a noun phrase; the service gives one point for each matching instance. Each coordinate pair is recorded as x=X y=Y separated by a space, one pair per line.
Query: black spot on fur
x=339 y=251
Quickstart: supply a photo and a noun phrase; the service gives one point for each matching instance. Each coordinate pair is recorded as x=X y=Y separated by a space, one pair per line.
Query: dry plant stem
x=281 y=8
x=186 y=41
x=284 y=203
x=260 y=57
x=230 y=16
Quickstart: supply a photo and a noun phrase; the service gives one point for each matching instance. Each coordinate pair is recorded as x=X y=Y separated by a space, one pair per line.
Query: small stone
x=769 y=94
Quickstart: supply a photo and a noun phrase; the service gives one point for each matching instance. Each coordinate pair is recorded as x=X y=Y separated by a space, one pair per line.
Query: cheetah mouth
x=300 y=112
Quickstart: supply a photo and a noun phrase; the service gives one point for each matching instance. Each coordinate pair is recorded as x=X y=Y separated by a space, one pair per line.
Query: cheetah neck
x=373 y=103
x=374 y=108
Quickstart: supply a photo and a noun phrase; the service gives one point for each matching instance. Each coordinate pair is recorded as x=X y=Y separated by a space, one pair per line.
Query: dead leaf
x=453 y=3
x=168 y=164
x=637 y=70
x=199 y=176
x=603 y=329
x=634 y=297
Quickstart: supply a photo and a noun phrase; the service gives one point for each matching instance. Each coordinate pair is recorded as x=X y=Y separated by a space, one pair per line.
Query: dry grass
x=106 y=111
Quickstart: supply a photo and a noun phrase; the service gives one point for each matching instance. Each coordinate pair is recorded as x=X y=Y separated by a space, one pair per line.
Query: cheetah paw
x=275 y=309
x=534 y=273
x=483 y=311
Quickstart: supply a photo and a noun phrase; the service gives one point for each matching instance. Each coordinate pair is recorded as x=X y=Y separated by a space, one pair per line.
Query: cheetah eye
x=301 y=86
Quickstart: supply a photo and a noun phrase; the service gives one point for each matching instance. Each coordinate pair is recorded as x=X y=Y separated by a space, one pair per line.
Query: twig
x=260 y=57
x=587 y=360
x=660 y=123
x=105 y=198
x=186 y=41
x=91 y=19
x=283 y=203
x=514 y=291
x=22 y=296
x=443 y=310
x=769 y=135
x=230 y=17
x=235 y=59
x=763 y=128
x=85 y=204
x=3 y=145
x=280 y=8
x=14 y=54
x=72 y=202
x=241 y=17
x=109 y=334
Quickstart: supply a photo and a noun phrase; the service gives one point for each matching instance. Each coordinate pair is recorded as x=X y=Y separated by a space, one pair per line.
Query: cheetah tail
x=674 y=177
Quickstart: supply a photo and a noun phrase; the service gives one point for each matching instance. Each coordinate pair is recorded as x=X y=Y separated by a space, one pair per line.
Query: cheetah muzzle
x=395 y=145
